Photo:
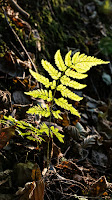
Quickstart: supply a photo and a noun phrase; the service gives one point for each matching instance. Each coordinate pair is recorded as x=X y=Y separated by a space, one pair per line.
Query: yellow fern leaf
x=75 y=75
x=68 y=93
x=64 y=104
x=59 y=61
x=82 y=63
x=68 y=60
x=40 y=78
x=51 y=70
x=71 y=83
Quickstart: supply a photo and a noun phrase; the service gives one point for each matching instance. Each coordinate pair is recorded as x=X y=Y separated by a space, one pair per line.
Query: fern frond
x=82 y=63
x=40 y=78
x=56 y=114
x=42 y=94
x=50 y=96
x=21 y=124
x=74 y=74
x=34 y=138
x=71 y=83
x=68 y=60
x=45 y=112
x=64 y=104
x=53 y=85
x=55 y=131
x=51 y=70
x=68 y=93
x=44 y=129
x=59 y=61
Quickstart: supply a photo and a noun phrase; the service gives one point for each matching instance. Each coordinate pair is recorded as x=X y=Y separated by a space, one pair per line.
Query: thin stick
x=15 y=34
x=19 y=9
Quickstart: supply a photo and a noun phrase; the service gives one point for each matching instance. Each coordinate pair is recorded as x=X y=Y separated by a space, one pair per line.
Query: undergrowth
x=56 y=92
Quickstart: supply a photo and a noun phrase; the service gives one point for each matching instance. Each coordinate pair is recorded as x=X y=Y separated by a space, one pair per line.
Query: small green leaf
x=59 y=61
x=51 y=70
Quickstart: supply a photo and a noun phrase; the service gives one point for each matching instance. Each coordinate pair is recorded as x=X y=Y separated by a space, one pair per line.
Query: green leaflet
x=71 y=83
x=68 y=60
x=44 y=129
x=56 y=114
x=82 y=63
x=68 y=93
x=64 y=104
x=59 y=61
x=53 y=85
x=45 y=112
x=51 y=70
x=40 y=93
x=75 y=75
x=40 y=78
x=55 y=131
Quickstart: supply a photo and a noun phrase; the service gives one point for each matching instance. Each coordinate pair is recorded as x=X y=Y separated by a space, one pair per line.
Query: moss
x=58 y=23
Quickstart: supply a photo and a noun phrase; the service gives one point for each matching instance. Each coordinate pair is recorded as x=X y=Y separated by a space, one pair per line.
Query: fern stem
x=48 y=145
x=48 y=159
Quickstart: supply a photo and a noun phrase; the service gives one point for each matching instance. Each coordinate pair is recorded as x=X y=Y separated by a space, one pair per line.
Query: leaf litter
x=81 y=167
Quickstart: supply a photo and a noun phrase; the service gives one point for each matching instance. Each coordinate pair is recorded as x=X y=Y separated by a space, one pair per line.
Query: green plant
x=62 y=81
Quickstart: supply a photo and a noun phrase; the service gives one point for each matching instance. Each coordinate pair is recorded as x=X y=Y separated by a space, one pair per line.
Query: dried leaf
x=36 y=173
x=99 y=187
x=73 y=132
x=65 y=121
x=6 y=134
x=80 y=129
x=89 y=141
x=33 y=190
x=22 y=24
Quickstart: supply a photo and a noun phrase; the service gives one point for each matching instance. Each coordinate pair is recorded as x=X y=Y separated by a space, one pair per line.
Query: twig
x=15 y=34
x=66 y=151
x=19 y=9
x=68 y=181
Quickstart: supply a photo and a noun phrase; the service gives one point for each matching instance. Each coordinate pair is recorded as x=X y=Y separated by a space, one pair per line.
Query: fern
x=63 y=75
x=59 y=61
x=45 y=112
x=64 y=104
x=67 y=93
x=51 y=70
x=82 y=63
x=42 y=94
x=71 y=83
x=75 y=75
x=45 y=81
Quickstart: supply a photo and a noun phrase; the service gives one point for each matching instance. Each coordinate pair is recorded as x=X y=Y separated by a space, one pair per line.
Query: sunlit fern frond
x=40 y=93
x=40 y=78
x=71 y=83
x=82 y=63
x=68 y=60
x=51 y=70
x=40 y=110
x=44 y=129
x=56 y=114
x=59 y=61
x=63 y=103
x=53 y=85
x=55 y=131
x=75 y=75
x=65 y=92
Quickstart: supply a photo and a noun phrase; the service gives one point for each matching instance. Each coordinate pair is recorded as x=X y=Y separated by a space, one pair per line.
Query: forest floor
x=81 y=167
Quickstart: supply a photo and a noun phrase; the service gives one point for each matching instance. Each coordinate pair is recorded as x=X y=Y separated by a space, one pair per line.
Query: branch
x=19 y=9
x=15 y=34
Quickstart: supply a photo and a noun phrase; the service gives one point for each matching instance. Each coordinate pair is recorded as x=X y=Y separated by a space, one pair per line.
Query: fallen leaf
x=6 y=134
x=99 y=187
x=33 y=190
x=65 y=121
